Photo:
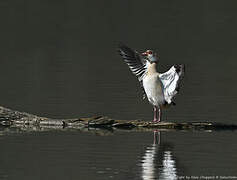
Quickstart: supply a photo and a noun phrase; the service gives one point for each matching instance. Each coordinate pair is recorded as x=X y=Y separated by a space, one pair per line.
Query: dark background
x=59 y=59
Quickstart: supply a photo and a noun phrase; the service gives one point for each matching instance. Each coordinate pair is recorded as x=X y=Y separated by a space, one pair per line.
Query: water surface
x=123 y=155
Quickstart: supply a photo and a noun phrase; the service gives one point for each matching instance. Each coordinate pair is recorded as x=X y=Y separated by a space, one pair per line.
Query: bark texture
x=22 y=120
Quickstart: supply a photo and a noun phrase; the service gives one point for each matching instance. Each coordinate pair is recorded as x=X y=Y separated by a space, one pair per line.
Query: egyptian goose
x=159 y=88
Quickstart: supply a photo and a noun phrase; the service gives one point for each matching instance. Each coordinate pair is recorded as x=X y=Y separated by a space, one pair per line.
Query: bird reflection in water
x=158 y=161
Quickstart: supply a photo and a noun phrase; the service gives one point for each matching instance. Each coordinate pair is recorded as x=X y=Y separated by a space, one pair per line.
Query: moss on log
x=11 y=118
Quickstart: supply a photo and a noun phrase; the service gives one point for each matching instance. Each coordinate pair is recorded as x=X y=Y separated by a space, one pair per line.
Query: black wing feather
x=135 y=62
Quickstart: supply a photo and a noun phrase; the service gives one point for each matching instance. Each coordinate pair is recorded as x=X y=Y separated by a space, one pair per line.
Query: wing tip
x=124 y=48
x=122 y=45
x=180 y=69
x=121 y=48
x=125 y=51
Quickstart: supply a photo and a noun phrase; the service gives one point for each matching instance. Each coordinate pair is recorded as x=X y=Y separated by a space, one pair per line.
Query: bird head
x=150 y=56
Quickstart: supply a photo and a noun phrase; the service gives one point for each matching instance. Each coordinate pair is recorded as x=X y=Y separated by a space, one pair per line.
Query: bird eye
x=149 y=52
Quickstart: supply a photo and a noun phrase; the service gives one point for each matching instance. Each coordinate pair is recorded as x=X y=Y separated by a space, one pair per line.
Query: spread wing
x=135 y=62
x=171 y=81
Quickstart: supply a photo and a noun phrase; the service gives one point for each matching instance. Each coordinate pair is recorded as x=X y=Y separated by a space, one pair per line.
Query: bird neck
x=152 y=68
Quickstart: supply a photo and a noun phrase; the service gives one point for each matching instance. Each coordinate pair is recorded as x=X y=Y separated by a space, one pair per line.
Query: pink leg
x=156 y=109
x=155 y=114
x=160 y=113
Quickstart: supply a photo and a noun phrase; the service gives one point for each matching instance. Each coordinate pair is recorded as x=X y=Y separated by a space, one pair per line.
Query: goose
x=159 y=88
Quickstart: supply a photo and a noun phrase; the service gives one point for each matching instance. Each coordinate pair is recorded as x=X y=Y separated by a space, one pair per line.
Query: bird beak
x=144 y=54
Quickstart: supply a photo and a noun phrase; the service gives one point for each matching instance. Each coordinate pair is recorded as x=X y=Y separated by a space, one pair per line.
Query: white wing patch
x=170 y=80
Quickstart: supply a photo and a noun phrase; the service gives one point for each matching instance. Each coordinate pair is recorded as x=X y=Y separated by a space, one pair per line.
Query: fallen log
x=16 y=119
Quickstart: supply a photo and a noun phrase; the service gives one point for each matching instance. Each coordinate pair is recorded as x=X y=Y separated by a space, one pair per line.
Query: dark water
x=59 y=59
